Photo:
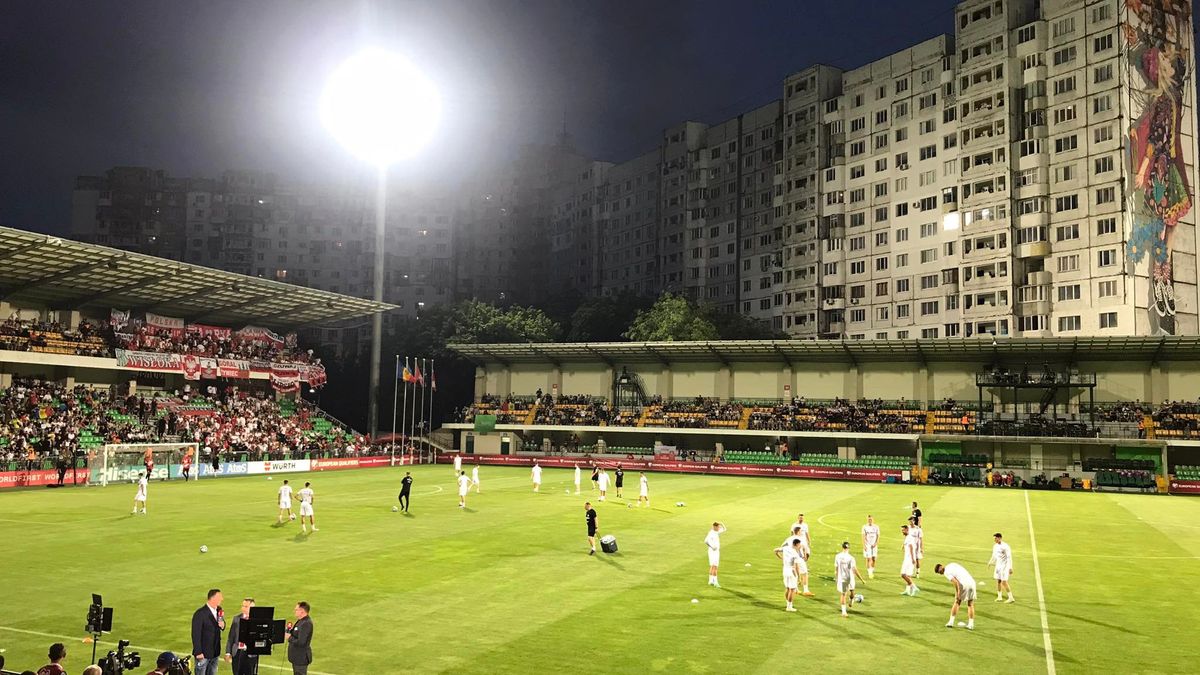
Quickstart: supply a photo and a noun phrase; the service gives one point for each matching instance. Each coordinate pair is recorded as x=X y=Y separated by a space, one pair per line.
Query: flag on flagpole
x=417 y=376
x=406 y=375
x=432 y=379
x=399 y=369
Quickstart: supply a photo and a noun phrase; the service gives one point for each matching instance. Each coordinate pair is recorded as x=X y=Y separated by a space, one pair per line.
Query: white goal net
x=122 y=463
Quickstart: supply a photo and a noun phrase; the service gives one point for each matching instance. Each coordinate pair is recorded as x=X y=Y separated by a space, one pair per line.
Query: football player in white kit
x=870 y=544
x=603 y=484
x=140 y=497
x=475 y=478
x=643 y=491
x=285 y=502
x=845 y=569
x=804 y=551
x=964 y=591
x=804 y=533
x=908 y=566
x=306 y=507
x=713 y=541
x=789 y=553
x=918 y=534
x=1002 y=559
x=536 y=473
x=457 y=465
x=578 y=475
x=464 y=486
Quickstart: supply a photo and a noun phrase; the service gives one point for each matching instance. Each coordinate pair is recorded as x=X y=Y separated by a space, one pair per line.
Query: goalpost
x=122 y=462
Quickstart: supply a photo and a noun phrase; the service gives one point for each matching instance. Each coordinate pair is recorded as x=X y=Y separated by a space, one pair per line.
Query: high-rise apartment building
x=1033 y=175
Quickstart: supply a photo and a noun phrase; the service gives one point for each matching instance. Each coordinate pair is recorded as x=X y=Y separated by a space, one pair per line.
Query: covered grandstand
x=101 y=346
x=950 y=410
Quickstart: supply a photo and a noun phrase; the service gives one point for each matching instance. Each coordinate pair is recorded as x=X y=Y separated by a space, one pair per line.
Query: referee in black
x=591 y=525
x=620 y=474
x=405 y=487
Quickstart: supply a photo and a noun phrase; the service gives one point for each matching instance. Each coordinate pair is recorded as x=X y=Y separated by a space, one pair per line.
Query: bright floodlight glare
x=380 y=107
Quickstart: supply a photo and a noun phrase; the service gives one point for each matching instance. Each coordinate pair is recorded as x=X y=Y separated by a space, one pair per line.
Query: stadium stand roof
x=45 y=270
x=1007 y=349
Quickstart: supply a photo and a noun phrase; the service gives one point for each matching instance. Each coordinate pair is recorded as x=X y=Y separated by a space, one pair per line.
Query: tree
x=605 y=319
x=671 y=319
x=735 y=326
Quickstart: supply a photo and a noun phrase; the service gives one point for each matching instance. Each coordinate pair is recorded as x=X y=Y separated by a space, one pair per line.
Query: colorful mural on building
x=1158 y=37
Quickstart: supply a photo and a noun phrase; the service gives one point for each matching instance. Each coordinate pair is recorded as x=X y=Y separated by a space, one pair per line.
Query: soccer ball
x=680 y=504
x=204 y=549
x=567 y=491
x=270 y=478
x=858 y=598
x=629 y=505
x=291 y=516
x=395 y=509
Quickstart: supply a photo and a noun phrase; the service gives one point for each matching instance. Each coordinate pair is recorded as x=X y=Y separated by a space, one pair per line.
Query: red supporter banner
x=285 y=378
x=1185 y=487
x=313 y=375
x=260 y=366
x=11 y=479
x=118 y=319
x=191 y=367
x=208 y=368
x=216 y=332
x=171 y=323
x=234 y=368
x=338 y=463
x=261 y=336
x=676 y=466
x=149 y=361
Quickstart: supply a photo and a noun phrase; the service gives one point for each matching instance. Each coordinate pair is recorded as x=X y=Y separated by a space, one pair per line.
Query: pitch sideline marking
x=1037 y=576
x=136 y=647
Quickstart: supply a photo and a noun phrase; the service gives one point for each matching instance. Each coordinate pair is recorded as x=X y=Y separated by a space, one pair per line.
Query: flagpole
x=432 y=393
x=412 y=417
x=395 y=398
x=421 y=426
x=404 y=408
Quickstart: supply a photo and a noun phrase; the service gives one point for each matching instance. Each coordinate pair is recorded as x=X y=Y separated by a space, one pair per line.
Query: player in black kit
x=405 y=487
x=591 y=525
x=620 y=474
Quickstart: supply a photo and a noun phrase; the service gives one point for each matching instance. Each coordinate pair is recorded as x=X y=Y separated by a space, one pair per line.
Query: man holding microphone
x=207 y=624
x=299 y=638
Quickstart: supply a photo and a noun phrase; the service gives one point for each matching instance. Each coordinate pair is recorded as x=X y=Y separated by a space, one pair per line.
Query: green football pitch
x=506 y=586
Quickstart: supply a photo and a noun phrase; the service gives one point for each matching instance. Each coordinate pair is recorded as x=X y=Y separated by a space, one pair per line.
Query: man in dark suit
x=299 y=639
x=235 y=647
x=207 y=624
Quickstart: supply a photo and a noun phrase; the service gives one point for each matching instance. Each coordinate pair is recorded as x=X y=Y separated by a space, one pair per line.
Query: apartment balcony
x=990 y=305
x=984 y=248
x=987 y=107
x=1035 y=219
x=985 y=138
x=982 y=276
x=1033 y=308
x=1041 y=278
x=1034 y=74
x=984 y=192
x=1033 y=249
x=829 y=304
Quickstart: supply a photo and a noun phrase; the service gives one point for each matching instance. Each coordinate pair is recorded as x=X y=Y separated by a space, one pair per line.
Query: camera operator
x=169 y=664
x=235 y=649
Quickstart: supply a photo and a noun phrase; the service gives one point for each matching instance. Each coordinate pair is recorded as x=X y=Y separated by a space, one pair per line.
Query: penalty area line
x=1037 y=576
x=155 y=650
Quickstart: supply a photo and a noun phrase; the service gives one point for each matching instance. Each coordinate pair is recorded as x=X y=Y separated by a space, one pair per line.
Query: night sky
x=198 y=87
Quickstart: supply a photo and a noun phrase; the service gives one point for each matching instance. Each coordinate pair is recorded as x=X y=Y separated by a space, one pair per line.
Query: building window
x=1068 y=263
x=1104 y=164
x=1106 y=289
x=1067 y=203
x=1102 y=73
x=1066 y=293
x=1106 y=226
x=1108 y=320
x=902 y=285
x=1067 y=324
x=1067 y=232
x=902 y=311
x=1106 y=257
x=1106 y=195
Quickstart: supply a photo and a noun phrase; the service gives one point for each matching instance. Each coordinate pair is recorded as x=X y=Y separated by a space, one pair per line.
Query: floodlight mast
x=381 y=108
